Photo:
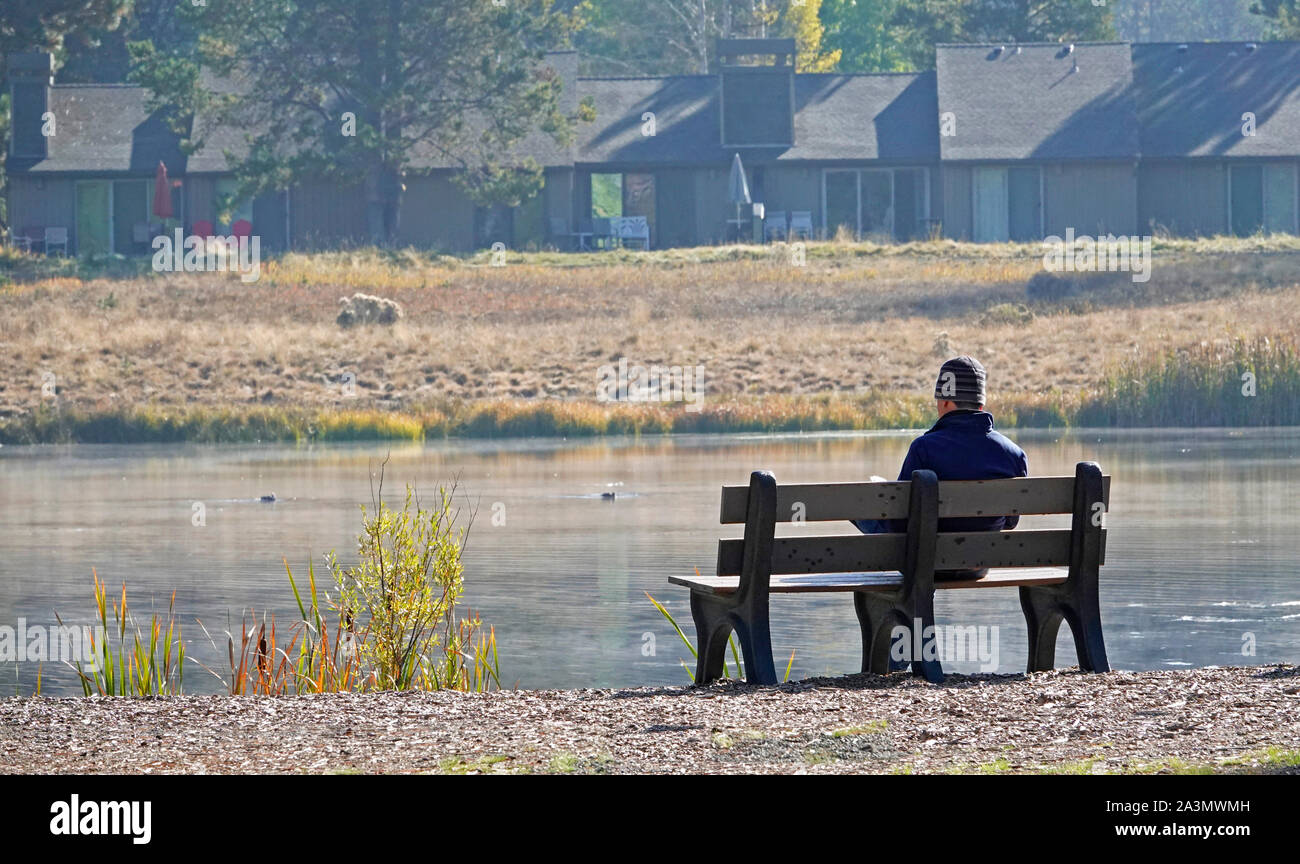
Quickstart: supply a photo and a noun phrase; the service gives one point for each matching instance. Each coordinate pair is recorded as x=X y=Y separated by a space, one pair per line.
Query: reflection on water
x=1202 y=553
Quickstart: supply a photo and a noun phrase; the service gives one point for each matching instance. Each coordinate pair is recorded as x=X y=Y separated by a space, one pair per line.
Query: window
x=225 y=188
x=881 y=204
x=131 y=203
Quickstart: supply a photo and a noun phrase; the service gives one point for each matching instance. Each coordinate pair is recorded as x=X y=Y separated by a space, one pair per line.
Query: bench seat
x=835 y=582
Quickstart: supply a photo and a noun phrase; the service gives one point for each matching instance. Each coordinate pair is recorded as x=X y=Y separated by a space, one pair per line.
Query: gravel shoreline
x=1240 y=719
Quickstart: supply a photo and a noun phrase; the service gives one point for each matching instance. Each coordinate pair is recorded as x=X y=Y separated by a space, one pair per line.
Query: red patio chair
x=202 y=228
x=242 y=228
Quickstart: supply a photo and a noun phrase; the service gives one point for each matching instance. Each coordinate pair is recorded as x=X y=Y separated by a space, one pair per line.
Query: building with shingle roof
x=1220 y=136
x=998 y=142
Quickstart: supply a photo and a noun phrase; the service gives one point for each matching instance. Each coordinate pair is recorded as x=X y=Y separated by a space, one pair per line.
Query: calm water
x=1202 y=554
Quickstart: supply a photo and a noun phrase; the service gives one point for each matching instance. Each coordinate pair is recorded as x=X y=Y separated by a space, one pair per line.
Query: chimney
x=30 y=78
x=757 y=100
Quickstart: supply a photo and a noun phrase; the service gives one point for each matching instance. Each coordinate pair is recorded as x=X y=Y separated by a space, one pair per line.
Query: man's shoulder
x=1010 y=447
x=1004 y=441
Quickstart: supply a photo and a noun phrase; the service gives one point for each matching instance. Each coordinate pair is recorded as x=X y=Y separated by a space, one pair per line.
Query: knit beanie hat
x=961 y=379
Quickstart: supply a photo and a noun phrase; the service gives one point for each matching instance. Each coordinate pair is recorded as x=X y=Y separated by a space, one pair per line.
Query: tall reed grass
x=1200 y=385
x=1237 y=382
x=145 y=664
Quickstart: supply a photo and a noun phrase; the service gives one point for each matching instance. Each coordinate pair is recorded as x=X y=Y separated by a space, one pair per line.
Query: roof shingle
x=1190 y=102
x=1040 y=101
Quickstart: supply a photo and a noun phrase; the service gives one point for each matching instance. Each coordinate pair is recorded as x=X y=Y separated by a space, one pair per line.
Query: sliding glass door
x=841 y=203
x=880 y=204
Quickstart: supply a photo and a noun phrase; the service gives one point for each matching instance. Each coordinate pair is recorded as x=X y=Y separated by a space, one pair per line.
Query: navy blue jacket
x=963 y=445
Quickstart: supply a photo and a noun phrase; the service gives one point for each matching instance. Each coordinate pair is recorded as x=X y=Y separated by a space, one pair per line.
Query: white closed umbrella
x=738 y=188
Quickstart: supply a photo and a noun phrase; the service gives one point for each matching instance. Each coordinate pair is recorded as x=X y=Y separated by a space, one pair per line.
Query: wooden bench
x=892 y=576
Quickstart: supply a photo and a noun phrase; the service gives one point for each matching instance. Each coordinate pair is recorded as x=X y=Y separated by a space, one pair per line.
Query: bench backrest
x=922 y=501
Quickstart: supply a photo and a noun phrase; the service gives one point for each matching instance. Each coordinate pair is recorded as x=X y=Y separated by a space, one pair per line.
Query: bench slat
x=882 y=552
x=884 y=581
x=833 y=502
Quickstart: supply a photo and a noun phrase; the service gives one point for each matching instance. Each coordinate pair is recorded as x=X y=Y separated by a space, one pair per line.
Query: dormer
x=756 y=96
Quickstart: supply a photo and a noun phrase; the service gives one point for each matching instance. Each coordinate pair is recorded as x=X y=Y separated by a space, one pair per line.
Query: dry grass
x=857 y=320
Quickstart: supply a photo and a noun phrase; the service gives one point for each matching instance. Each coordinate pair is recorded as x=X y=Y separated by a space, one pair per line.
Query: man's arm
x=892 y=526
x=1023 y=471
x=914 y=460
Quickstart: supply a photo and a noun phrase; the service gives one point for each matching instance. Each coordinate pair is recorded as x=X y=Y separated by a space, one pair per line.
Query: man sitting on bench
x=962 y=445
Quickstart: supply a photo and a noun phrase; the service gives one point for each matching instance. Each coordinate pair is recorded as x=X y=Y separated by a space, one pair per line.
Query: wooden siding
x=436 y=214
x=43 y=203
x=1091 y=198
x=326 y=215
x=712 y=207
x=200 y=199
x=791 y=188
x=1184 y=198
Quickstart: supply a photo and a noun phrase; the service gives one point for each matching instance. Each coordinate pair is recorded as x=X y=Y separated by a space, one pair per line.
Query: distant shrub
x=1243 y=382
x=1045 y=287
x=1006 y=313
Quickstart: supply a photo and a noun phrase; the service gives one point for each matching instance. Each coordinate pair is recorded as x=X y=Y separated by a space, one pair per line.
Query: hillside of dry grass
x=855 y=319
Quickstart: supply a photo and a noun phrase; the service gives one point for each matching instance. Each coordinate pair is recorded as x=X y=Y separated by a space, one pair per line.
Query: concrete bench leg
x=1045 y=608
x=756 y=645
x=712 y=627
x=912 y=605
x=878 y=615
x=715 y=620
x=1076 y=601
x=746 y=611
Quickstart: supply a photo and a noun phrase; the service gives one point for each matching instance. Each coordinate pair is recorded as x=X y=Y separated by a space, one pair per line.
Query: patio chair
x=29 y=237
x=56 y=237
x=801 y=224
x=202 y=228
x=636 y=228
x=774 y=225
x=242 y=228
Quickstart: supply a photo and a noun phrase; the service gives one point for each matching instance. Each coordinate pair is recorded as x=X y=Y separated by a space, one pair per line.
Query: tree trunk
x=383 y=187
x=392 y=190
x=375 y=205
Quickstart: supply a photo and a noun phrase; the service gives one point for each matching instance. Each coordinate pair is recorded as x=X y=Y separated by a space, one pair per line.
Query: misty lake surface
x=1201 y=559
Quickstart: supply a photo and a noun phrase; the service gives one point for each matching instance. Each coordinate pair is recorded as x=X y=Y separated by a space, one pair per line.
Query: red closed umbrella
x=162 y=193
